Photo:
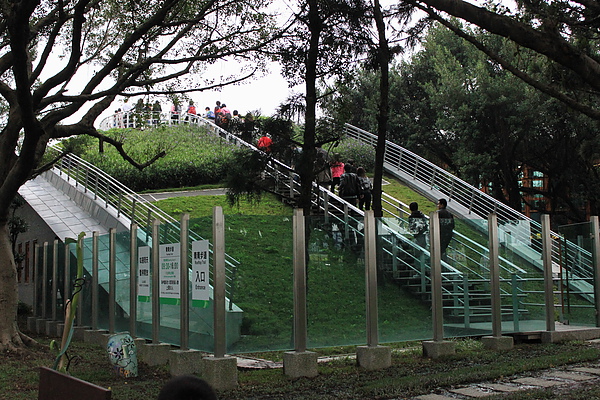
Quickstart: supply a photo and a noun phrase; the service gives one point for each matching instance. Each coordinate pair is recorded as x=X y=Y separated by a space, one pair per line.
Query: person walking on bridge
x=446 y=227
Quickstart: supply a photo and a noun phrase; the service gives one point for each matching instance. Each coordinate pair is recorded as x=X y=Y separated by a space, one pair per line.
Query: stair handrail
x=283 y=174
x=124 y=202
x=477 y=202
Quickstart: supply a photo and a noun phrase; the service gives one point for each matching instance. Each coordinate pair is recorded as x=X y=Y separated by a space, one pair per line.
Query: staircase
x=106 y=199
x=465 y=277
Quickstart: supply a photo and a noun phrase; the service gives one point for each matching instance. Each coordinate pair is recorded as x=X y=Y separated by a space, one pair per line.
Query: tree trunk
x=10 y=339
x=310 y=120
x=383 y=113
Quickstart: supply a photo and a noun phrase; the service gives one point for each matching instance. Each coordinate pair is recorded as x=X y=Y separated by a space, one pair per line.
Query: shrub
x=363 y=154
x=193 y=157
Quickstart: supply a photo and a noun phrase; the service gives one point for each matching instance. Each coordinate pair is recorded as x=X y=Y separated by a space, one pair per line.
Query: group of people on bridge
x=354 y=186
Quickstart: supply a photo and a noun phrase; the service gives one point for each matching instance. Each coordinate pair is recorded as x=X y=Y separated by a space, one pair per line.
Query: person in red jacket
x=337 y=169
x=265 y=143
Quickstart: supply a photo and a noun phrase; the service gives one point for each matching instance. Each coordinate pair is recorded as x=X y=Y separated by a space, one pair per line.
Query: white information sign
x=143 y=279
x=200 y=271
x=169 y=273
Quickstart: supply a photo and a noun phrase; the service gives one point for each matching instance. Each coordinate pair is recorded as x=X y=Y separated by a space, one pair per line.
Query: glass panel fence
x=404 y=296
x=575 y=282
x=169 y=290
x=201 y=314
x=122 y=286
x=336 y=282
x=260 y=289
x=522 y=280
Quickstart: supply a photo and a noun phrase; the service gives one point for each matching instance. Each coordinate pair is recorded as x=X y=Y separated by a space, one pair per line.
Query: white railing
x=124 y=202
x=520 y=231
x=397 y=159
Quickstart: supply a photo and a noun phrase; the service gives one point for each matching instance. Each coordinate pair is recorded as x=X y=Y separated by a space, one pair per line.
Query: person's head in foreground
x=187 y=387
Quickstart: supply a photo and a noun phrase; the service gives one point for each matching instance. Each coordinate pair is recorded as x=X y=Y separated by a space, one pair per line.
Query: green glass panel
x=336 y=282
x=259 y=297
x=575 y=285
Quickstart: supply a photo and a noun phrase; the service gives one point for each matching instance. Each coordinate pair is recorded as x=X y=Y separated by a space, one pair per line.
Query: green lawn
x=260 y=237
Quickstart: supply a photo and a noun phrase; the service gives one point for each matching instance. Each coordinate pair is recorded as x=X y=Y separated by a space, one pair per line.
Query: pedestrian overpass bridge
x=75 y=196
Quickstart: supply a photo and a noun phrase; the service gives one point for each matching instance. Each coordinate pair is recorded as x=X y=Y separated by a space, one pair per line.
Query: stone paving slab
x=537 y=382
x=472 y=391
x=588 y=370
x=570 y=375
x=502 y=387
x=434 y=397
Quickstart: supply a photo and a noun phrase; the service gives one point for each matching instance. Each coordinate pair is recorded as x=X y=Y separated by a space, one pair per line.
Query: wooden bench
x=58 y=386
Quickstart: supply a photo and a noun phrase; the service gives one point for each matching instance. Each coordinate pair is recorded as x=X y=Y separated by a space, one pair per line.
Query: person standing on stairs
x=350 y=189
x=417 y=224
x=364 y=200
x=337 y=169
x=446 y=227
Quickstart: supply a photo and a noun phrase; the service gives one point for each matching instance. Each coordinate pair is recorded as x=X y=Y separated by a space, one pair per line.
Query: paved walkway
x=552 y=378
x=185 y=193
x=63 y=215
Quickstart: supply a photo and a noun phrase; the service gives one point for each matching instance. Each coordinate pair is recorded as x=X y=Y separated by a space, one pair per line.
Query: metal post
x=149 y=222
x=495 y=275
x=466 y=300
x=133 y=273
x=155 y=290
x=371 y=278
x=67 y=277
x=547 y=262
x=219 y=282
x=95 y=280
x=184 y=293
x=300 y=318
x=346 y=221
x=119 y=204
x=44 y=280
x=54 y=278
x=596 y=249
x=112 y=279
x=326 y=206
x=436 y=278
x=515 y=302
x=36 y=269
x=133 y=204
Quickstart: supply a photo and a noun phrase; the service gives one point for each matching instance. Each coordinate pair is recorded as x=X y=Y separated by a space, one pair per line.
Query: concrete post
x=133 y=273
x=94 y=280
x=219 y=371
x=496 y=341
x=372 y=356
x=300 y=363
x=548 y=282
x=438 y=346
x=184 y=282
x=155 y=290
x=112 y=279
x=596 y=260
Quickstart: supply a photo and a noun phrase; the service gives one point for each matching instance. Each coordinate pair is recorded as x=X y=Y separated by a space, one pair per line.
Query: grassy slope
x=260 y=237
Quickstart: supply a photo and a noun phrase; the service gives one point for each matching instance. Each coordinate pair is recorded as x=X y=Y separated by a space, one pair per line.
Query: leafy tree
x=326 y=36
x=478 y=120
x=565 y=32
x=64 y=63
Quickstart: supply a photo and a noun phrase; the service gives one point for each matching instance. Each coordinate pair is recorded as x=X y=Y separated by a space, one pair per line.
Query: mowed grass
x=259 y=236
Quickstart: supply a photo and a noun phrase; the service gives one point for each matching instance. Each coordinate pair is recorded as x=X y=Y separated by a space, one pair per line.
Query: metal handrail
x=123 y=202
x=332 y=205
x=522 y=229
